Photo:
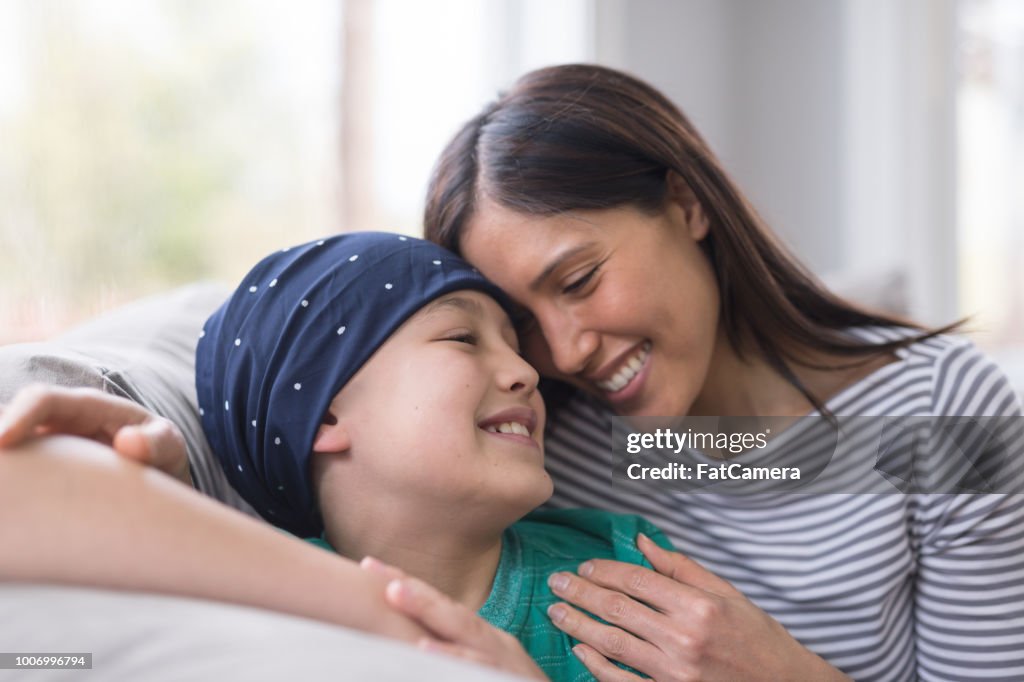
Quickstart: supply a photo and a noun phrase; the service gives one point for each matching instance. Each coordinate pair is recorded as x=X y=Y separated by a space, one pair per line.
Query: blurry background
x=149 y=143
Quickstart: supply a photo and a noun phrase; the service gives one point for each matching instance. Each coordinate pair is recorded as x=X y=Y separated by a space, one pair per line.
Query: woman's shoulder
x=947 y=372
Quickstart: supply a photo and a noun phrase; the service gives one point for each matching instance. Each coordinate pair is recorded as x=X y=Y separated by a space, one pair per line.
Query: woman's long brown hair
x=581 y=136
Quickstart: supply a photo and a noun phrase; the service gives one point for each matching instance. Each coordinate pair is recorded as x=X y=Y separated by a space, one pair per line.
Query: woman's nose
x=572 y=346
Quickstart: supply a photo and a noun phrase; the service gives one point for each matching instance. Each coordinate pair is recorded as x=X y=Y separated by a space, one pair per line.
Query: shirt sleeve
x=969 y=596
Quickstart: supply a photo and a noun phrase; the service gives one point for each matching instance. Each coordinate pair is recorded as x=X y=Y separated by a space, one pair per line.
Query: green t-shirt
x=543 y=543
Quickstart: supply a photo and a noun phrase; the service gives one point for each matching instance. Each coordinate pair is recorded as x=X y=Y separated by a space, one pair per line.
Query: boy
x=367 y=390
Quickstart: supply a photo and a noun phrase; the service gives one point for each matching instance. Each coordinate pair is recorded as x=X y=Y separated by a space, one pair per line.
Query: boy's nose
x=519 y=375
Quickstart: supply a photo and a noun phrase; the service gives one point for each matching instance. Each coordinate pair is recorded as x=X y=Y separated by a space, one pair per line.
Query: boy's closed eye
x=466 y=337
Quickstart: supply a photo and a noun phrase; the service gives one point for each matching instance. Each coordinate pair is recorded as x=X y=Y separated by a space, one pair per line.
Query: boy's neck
x=461 y=567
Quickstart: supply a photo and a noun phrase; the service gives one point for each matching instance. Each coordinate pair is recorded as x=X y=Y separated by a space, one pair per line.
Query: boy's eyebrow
x=462 y=303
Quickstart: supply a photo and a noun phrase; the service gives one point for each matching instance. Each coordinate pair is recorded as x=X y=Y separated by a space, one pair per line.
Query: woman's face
x=623 y=303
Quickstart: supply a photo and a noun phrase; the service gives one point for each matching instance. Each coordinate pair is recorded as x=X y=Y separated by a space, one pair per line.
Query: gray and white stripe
x=884 y=586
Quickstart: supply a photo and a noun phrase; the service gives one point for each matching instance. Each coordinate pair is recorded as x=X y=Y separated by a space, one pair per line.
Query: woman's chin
x=671 y=407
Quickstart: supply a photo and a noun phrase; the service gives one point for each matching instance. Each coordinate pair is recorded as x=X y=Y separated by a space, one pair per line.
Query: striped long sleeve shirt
x=884 y=586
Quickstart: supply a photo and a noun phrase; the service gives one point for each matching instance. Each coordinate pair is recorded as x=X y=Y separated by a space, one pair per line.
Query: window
x=150 y=144
x=990 y=235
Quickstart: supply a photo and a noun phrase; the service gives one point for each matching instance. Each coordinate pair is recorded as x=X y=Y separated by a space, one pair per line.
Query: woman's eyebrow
x=566 y=255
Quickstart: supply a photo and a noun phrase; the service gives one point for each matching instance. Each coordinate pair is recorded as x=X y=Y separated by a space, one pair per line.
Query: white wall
x=834 y=116
x=683 y=48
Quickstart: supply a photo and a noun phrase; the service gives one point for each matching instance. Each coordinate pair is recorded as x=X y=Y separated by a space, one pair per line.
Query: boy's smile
x=517 y=424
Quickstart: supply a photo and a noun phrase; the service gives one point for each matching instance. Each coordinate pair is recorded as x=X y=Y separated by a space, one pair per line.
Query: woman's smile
x=626 y=375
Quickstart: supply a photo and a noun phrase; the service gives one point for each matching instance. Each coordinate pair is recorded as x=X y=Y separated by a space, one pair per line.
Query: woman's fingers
x=600 y=667
x=447 y=619
x=631 y=597
x=459 y=630
x=130 y=429
x=378 y=567
x=613 y=642
x=660 y=622
x=456 y=650
x=682 y=569
x=33 y=407
x=74 y=411
x=156 y=443
x=601 y=583
x=709 y=630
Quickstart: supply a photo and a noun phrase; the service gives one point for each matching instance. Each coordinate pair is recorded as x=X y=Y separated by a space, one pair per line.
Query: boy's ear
x=681 y=194
x=332 y=436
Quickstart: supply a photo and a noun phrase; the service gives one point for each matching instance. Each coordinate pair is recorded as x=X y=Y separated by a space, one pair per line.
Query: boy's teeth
x=628 y=370
x=509 y=427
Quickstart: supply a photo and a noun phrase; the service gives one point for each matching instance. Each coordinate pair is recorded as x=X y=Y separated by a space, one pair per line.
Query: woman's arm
x=130 y=429
x=75 y=512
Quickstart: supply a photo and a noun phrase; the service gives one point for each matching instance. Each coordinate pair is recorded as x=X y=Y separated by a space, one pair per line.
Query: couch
x=144 y=352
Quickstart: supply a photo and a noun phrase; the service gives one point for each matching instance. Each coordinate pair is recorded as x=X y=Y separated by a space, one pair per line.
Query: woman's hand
x=131 y=430
x=457 y=631
x=678 y=622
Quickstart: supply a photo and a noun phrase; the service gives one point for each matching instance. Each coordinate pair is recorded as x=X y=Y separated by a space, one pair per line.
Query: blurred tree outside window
x=151 y=143
x=148 y=144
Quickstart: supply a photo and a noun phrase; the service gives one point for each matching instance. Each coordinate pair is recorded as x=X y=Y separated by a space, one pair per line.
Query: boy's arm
x=75 y=512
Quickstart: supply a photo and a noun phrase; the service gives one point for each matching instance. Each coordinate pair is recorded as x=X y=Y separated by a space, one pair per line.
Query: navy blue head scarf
x=304 y=320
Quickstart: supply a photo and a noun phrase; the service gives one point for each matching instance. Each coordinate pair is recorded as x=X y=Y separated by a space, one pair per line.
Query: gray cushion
x=144 y=351
x=155 y=638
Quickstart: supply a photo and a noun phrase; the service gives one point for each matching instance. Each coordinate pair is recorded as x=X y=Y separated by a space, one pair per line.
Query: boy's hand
x=457 y=630
x=128 y=428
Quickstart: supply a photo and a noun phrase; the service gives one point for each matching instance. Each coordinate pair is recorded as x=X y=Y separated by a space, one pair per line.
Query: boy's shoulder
x=575 y=535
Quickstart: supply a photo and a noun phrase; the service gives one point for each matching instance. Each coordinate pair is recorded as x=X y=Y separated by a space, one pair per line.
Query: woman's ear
x=681 y=194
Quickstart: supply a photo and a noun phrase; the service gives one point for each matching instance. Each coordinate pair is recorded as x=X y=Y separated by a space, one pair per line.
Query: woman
x=650 y=286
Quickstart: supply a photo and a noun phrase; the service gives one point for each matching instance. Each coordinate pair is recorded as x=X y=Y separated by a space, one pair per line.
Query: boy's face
x=445 y=416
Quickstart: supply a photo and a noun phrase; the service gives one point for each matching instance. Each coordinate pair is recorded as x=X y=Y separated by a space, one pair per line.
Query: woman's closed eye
x=578 y=284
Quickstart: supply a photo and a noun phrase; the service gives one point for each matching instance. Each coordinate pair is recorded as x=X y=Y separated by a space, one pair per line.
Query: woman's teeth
x=628 y=370
x=509 y=427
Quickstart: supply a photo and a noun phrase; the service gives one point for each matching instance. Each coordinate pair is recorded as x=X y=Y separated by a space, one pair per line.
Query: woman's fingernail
x=585 y=569
x=369 y=563
x=556 y=612
x=558 y=581
x=397 y=590
x=580 y=652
